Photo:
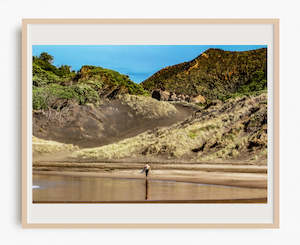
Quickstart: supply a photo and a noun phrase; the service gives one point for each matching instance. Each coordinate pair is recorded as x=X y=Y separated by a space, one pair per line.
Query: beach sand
x=236 y=174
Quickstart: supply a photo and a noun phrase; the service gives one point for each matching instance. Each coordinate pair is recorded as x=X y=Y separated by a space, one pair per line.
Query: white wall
x=11 y=13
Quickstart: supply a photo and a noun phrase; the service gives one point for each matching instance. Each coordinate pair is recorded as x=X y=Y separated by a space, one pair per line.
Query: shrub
x=85 y=94
x=41 y=77
x=93 y=74
x=39 y=98
x=45 y=97
x=46 y=57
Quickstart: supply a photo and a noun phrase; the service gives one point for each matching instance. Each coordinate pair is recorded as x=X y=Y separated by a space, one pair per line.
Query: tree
x=65 y=70
x=46 y=57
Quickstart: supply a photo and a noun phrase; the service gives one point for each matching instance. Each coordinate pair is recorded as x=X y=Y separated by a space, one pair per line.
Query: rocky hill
x=215 y=74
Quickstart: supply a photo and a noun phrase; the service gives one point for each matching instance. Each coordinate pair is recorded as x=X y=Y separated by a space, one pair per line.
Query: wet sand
x=239 y=175
x=51 y=188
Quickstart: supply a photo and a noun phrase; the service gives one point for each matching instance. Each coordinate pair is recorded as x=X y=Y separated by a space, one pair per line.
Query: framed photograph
x=150 y=123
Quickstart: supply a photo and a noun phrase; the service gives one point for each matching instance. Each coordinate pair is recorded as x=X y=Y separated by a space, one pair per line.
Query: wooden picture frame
x=26 y=41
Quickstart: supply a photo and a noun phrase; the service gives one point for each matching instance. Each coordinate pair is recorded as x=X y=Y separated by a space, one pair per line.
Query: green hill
x=215 y=74
x=55 y=87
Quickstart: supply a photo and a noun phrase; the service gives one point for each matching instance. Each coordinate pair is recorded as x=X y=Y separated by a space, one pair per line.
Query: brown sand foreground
x=242 y=175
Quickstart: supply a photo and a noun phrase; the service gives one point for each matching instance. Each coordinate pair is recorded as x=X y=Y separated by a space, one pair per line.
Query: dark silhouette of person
x=146 y=169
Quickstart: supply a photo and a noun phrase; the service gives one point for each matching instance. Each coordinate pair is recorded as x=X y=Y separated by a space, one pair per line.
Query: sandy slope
x=236 y=129
x=93 y=126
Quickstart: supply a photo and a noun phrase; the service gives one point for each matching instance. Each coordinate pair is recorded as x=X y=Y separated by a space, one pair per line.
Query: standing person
x=146 y=169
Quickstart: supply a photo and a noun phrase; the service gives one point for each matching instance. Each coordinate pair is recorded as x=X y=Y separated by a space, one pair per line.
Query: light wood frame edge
x=274 y=22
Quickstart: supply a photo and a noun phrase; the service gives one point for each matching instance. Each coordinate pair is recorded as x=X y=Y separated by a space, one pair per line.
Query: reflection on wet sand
x=59 y=188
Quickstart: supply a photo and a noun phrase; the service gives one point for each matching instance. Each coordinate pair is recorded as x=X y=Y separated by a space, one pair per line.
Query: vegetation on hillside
x=54 y=87
x=40 y=146
x=236 y=130
x=231 y=123
x=215 y=74
x=148 y=107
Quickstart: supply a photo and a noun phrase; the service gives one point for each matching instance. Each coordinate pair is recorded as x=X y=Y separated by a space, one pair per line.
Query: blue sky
x=137 y=61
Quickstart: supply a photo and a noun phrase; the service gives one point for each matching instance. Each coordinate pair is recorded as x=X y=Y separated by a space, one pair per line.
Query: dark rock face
x=160 y=95
x=173 y=97
x=163 y=95
x=114 y=93
x=156 y=94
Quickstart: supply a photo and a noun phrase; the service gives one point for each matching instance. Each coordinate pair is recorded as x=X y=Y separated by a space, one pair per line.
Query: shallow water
x=59 y=188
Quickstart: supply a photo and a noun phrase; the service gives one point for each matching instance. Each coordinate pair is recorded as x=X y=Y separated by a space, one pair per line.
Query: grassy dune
x=148 y=107
x=236 y=129
x=40 y=146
